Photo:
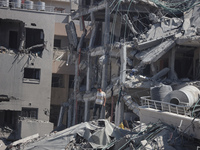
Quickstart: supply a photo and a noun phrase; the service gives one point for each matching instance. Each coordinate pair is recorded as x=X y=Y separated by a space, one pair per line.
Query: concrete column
x=76 y=82
x=75 y=91
x=88 y=74
x=87 y=89
x=60 y=116
x=91 y=45
x=119 y=109
x=123 y=64
x=153 y=69
x=172 y=63
x=86 y=111
x=106 y=43
x=69 y=120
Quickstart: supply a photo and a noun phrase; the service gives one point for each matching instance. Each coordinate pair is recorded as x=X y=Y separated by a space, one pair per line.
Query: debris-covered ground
x=101 y=134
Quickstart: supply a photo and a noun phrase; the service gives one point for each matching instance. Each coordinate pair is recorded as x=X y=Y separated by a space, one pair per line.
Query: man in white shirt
x=100 y=100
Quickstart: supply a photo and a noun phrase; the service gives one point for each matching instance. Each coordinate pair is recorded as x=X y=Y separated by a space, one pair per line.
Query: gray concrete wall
x=29 y=127
x=61 y=18
x=12 y=65
x=188 y=126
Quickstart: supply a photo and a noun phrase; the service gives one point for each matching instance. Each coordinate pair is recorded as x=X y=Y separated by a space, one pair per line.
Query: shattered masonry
x=134 y=45
x=145 y=55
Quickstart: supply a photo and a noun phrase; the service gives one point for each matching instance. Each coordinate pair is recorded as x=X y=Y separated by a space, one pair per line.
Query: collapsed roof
x=102 y=134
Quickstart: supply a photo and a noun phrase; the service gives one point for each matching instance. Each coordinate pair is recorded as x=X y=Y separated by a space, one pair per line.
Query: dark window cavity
x=10 y=33
x=71 y=81
x=57 y=80
x=4 y=98
x=57 y=43
x=35 y=41
x=98 y=38
x=31 y=75
x=30 y=113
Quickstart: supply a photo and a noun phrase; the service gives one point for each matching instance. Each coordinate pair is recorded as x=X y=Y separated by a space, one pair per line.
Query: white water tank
x=5 y=3
x=159 y=92
x=28 y=4
x=187 y=95
x=17 y=3
x=40 y=5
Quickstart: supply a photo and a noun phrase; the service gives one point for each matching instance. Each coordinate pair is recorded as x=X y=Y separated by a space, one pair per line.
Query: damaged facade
x=26 y=51
x=134 y=46
x=145 y=56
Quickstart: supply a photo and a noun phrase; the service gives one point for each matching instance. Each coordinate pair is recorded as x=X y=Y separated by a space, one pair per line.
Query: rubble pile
x=101 y=134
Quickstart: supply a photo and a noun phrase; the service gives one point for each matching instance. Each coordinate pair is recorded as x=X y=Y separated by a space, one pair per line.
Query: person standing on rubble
x=100 y=100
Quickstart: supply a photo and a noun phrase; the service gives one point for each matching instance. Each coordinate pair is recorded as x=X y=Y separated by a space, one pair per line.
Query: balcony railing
x=164 y=106
x=32 y=7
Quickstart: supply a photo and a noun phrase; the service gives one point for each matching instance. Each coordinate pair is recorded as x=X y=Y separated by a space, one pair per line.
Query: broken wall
x=188 y=125
x=37 y=126
x=10 y=33
x=28 y=92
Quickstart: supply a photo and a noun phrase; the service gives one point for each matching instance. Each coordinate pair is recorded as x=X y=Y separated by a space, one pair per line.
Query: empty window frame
x=35 y=37
x=71 y=81
x=57 y=80
x=57 y=43
x=31 y=75
x=30 y=113
x=4 y=98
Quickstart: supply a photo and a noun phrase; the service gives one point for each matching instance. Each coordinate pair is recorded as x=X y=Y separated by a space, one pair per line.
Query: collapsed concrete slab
x=189 y=126
x=36 y=126
x=101 y=134
x=94 y=134
x=155 y=53
x=126 y=36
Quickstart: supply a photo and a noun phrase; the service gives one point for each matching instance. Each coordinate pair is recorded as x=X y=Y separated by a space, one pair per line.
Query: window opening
x=57 y=43
x=30 y=113
x=35 y=41
x=57 y=80
x=31 y=75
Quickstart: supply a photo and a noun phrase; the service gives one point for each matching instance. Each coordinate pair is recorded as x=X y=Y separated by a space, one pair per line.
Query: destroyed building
x=135 y=45
x=145 y=56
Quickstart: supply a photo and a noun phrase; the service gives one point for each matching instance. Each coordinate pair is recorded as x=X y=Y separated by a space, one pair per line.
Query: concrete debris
x=125 y=17
x=160 y=74
x=131 y=104
x=82 y=65
x=102 y=134
x=71 y=34
x=138 y=81
x=24 y=140
x=155 y=53
x=137 y=48
x=2 y=145
x=193 y=41
x=94 y=134
x=102 y=60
